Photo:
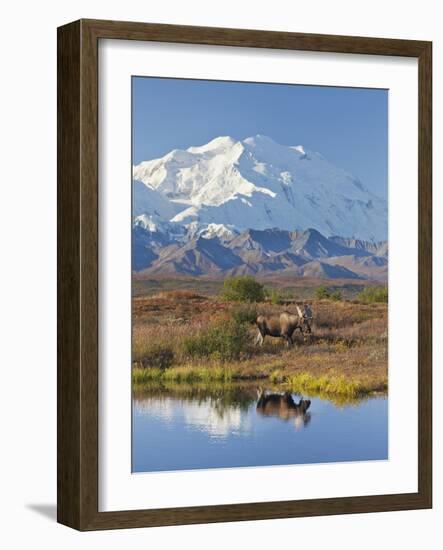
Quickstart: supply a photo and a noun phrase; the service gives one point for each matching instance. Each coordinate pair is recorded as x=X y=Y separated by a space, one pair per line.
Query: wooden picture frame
x=77 y=174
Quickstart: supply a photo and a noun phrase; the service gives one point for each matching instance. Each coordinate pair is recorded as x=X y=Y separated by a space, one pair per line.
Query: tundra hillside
x=185 y=336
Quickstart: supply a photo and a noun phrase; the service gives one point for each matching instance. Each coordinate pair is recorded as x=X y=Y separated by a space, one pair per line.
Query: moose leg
x=300 y=328
x=260 y=338
x=257 y=338
x=307 y=332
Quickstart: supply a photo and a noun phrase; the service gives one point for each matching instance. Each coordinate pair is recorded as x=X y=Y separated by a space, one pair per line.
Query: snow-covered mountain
x=228 y=186
x=255 y=207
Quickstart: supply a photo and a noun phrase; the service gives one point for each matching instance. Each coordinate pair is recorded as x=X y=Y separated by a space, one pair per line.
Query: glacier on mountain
x=232 y=185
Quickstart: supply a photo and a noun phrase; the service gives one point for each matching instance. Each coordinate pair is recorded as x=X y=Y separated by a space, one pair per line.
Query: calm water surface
x=190 y=427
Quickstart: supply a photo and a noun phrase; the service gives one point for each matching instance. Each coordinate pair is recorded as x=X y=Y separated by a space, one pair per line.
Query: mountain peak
x=217 y=144
x=257 y=183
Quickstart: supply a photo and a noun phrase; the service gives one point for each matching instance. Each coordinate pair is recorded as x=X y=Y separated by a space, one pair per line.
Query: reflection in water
x=188 y=426
x=206 y=415
x=216 y=410
x=283 y=406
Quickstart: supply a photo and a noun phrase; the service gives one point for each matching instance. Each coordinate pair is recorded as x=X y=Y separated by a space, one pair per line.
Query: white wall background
x=28 y=274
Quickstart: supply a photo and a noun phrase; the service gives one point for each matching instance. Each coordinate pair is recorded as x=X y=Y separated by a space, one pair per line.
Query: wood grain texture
x=425 y=273
x=254 y=38
x=77 y=173
x=68 y=276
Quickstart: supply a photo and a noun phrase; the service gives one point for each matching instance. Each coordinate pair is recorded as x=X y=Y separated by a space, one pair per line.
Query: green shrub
x=245 y=313
x=222 y=341
x=322 y=293
x=157 y=356
x=372 y=294
x=336 y=296
x=242 y=289
x=276 y=297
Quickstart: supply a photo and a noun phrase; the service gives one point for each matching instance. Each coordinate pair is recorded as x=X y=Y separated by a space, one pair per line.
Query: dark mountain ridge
x=259 y=252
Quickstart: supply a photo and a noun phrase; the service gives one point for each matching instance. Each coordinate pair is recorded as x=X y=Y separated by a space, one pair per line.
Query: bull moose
x=283 y=406
x=283 y=325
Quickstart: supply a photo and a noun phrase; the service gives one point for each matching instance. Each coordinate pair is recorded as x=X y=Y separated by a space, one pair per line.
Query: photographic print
x=259 y=274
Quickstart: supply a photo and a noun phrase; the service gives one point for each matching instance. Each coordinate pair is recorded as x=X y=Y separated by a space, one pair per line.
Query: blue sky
x=348 y=126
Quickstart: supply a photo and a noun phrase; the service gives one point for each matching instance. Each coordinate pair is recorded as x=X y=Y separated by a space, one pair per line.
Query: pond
x=185 y=427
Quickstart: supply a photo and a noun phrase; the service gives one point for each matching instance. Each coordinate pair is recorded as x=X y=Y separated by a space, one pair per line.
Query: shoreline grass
x=333 y=385
x=181 y=374
x=321 y=384
x=191 y=373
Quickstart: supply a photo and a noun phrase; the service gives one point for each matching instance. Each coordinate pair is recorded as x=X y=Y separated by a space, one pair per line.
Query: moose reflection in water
x=283 y=406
